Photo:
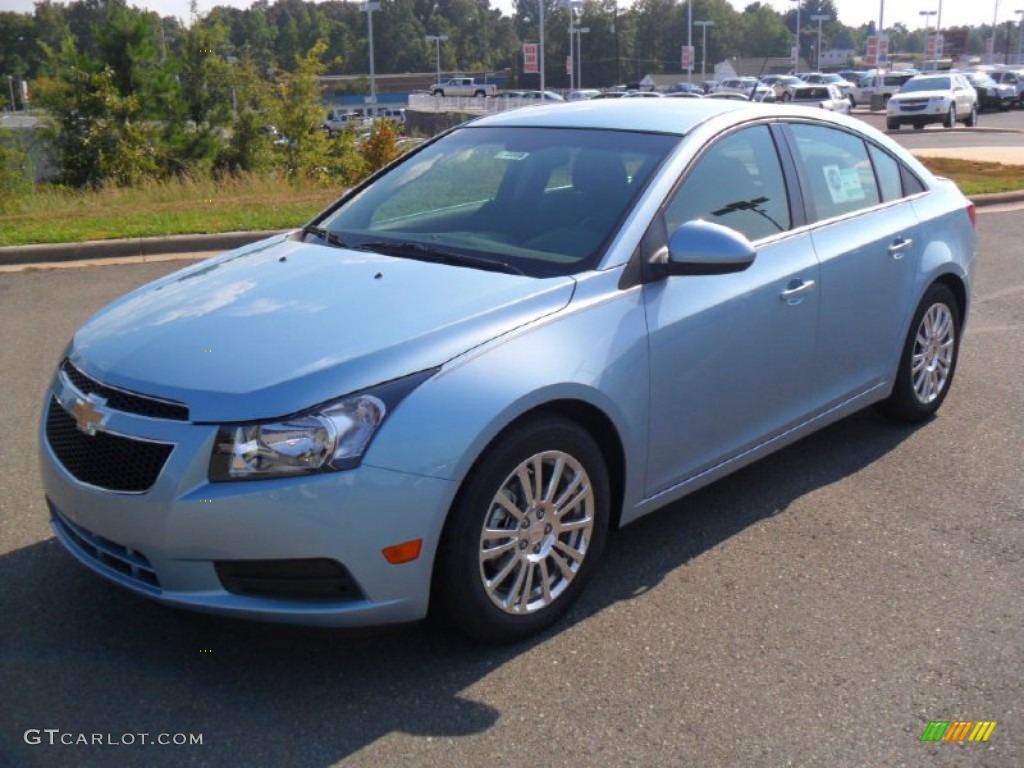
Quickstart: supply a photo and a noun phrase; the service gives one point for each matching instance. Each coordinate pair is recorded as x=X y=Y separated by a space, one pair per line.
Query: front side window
x=836 y=169
x=541 y=201
x=737 y=183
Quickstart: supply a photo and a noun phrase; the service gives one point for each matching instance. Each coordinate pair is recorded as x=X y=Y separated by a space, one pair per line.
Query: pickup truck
x=463 y=86
x=882 y=85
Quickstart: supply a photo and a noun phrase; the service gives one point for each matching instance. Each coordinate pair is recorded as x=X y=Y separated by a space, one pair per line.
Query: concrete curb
x=156 y=246
x=129 y=247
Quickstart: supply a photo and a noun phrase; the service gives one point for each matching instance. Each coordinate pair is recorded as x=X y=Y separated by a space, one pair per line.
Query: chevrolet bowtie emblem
x=88 y=414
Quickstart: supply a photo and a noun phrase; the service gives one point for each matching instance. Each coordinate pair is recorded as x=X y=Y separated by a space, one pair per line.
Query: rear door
x=866 y=235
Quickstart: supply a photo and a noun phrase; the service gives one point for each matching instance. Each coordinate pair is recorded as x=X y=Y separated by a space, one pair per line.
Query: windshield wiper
x=329 y=237
x=421 y=252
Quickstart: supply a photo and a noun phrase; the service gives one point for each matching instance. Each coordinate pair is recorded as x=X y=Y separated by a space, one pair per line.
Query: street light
x=819 y=18
x=1020 y=36
x=704 y=46
x=578 y=60
x=689 y=39
x=796 y=54
x=575 y=8
x=992 y=40
x=437 y=40
x=368 y=9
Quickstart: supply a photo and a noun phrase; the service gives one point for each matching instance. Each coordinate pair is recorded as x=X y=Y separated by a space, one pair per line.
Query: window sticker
x=843 y=184
x=509 y=155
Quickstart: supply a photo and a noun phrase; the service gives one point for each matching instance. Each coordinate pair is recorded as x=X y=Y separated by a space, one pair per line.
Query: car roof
x=677 y=116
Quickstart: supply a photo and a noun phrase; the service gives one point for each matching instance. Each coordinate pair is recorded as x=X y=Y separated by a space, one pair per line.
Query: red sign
x=686 y=60
x=531 y=58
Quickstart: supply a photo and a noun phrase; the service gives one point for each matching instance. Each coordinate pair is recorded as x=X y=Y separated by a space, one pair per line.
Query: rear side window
x=737 y=183
x=887 y=168
x=836 y=170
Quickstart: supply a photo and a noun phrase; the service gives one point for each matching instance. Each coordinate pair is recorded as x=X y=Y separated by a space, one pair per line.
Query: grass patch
x=54 y=215
x=977 y=178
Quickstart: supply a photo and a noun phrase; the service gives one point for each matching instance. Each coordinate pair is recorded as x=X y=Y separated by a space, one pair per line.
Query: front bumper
x=166 y=543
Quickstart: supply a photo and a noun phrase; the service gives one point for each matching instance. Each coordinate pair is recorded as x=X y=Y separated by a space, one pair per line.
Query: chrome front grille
x=104 y=460
x=130 y=563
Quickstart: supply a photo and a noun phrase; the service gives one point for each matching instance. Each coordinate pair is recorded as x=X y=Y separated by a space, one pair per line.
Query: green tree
x=98 y=134
x=298 y=113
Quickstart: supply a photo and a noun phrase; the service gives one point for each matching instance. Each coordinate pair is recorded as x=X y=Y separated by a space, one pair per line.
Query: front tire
x=950 y=121
x=928 y=360
x=525 y=532
x=892 y=125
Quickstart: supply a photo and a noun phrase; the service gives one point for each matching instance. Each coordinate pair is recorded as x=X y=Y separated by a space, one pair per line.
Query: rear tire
x=928 y=360
x=972 y=118
x=524 y=533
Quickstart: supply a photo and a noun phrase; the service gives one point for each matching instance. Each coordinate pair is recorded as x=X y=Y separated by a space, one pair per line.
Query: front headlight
x=327 y=438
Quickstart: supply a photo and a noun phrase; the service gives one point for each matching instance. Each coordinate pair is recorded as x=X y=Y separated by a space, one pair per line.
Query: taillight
x=973 y=213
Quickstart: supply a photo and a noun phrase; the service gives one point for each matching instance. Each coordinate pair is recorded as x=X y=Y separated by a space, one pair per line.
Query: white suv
x=946 y=98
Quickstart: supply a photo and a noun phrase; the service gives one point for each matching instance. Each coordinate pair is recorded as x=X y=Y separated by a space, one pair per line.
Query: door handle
x=899 y=245
x=796 y=290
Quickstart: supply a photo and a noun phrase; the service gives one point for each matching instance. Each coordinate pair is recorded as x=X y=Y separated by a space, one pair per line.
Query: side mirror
x=703 y=248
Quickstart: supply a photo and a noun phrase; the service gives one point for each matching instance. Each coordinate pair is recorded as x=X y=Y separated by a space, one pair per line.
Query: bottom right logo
x=958 y=730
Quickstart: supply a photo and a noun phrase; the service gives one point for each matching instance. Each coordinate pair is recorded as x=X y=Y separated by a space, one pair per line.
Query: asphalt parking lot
x=819 y=608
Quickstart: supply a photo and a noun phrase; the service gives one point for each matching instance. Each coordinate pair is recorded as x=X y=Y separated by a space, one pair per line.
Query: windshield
x=541 y=201
x=926 y=84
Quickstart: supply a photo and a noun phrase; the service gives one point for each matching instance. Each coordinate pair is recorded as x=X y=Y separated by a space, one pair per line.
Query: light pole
x=574 y=8
x=1020 y=36
x=927 y=15
x=689 y=38
x=796 y=49
x=580 y=32
x=437 y=40
x=541 y=4
x=992 y=48
x=704 y=46
x=368 y=9
x=819 y=17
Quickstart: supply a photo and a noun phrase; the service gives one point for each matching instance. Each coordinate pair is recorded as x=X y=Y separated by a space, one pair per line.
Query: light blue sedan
x=445 y=391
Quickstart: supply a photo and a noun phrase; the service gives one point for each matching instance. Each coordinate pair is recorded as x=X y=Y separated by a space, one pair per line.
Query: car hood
x=940 y=94
x=274 y=328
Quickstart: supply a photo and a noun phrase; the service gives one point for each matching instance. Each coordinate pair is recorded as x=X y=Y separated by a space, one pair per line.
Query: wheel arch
x=955 y=284
x=595 y=422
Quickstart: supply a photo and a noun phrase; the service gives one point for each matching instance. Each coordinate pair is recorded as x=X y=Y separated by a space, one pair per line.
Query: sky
x=851 y=12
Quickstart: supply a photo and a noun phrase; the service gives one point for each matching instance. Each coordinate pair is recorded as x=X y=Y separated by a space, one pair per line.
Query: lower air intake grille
x=128 y=562
x=106 y=461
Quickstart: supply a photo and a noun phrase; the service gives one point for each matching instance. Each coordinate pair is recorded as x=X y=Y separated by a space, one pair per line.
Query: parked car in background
x=445 y=391
x=685 y=88
x=1013 y=78
x=991 y=95
x=825 y=97
x=828 y=78
x=643 y=95
x=542 y=96
x=941 y=98
x=338 y=120
x=463 y=86
x=583 y=94
x=883 y=86
x=782 y=85
x=748 y=86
